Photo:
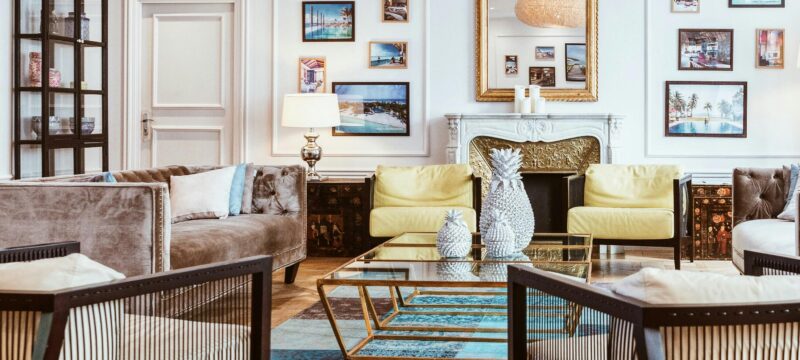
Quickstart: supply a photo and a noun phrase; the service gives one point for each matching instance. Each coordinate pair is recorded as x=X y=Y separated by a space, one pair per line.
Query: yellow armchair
x=631 y=205
x=415 y=199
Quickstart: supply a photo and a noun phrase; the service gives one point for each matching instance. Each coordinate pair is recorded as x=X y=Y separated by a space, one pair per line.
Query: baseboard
x=6 y=177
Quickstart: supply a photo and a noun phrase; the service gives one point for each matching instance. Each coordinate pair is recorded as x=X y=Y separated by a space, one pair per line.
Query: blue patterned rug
x=309 y=336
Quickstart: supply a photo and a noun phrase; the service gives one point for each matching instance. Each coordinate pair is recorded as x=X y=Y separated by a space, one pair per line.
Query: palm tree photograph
x=329 y=21
x=711 y=109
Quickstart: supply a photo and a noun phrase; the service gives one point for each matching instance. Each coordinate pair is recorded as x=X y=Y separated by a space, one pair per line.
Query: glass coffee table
x=408 y=269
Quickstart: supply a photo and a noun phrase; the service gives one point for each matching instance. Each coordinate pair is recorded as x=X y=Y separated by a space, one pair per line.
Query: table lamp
x=311 y=111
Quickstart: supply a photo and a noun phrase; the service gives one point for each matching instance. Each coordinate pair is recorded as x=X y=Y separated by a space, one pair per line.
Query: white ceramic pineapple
x=498 y=271
x=507 y=195
x=499 y=237
x=454 y=239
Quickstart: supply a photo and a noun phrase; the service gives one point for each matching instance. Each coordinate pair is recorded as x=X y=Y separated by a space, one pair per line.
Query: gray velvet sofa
x=127 y=225
x=759 y=196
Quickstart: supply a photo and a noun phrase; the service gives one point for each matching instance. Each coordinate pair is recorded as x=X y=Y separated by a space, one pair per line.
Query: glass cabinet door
x=92 y=20
x=30 y=17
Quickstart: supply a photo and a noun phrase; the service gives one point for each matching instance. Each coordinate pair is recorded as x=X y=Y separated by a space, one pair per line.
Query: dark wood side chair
x=142 y=317
x=617 y=327
x=682 y=218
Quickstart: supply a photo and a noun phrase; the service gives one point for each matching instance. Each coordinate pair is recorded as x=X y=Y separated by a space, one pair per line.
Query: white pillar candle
x=541 y=105
x=526 y=106
x=519 y=97
x=535 y=91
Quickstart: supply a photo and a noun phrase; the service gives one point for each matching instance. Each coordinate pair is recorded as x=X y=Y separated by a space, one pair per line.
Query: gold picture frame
x=486 y=94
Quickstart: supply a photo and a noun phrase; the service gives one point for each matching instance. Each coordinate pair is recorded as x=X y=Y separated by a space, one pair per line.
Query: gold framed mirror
x=549 y=43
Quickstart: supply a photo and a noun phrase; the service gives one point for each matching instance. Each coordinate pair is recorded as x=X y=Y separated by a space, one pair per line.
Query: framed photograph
x=395 y=11
x=705 y=49
x=575 y=62
x=388 y=55
x=373 y=108
x=542 y=76
x=685 y=6
x=769 y=48
x=329 y=21
x=756 y=3
x=512 y=65
x=706 y=109
x=312 y=75
x=545 y=53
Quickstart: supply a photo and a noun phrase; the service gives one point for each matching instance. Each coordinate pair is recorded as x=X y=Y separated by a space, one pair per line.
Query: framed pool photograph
x=542 y=76
x=686 y=6
x=575 y=62
x=756 y=3
x=512 y=65
x=545 y=53
x=706 y=109
x=312 y=75
x=325 y=21
x=373 y=108
x=705 y=49
x=769 y=48
x=388 y=55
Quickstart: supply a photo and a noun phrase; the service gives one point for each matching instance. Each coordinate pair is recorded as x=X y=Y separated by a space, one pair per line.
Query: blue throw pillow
x=108 y=178
x=792 y=182
x=237 y=190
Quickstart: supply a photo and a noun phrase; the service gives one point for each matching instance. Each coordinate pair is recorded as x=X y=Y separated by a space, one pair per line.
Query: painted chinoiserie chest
x=338 y=217
x=712 y=208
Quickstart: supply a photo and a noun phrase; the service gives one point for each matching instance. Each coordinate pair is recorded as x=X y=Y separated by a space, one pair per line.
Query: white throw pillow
x=55 y=274
x=201 y=196
x=790 y=212
x=658 y=286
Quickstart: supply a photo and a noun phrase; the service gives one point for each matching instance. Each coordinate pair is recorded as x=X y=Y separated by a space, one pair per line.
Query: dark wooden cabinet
x=712 y=209
x=338 y=217
x=60 y=87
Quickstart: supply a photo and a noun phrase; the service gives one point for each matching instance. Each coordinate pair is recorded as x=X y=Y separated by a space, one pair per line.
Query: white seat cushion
x=182 y=339
x=769 y=235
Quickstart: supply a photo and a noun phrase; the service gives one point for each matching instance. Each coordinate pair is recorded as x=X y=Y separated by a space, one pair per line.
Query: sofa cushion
x=768 y=235
x=394 y=221
x=201 y=196
x=200 y=242
x=630 y=186
x=622 y=224
x=790 y=211
x=661 y=286
x=436 y=185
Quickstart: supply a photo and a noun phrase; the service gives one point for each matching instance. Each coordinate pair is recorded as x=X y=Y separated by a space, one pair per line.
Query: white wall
x=638 y=44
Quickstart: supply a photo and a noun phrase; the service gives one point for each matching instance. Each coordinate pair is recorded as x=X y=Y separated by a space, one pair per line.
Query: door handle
x=147 y=128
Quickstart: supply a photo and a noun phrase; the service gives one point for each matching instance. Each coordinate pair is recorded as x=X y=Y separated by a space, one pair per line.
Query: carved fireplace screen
x=570 y=155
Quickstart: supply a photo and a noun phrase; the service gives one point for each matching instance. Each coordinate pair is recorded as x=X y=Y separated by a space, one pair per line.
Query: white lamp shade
x=310 y=110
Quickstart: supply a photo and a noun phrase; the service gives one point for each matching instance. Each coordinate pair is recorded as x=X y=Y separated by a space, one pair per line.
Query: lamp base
x=311 y=154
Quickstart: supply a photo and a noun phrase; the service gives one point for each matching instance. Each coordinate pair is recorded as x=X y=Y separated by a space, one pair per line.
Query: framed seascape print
x=545 y=53
x=769 y=48
x=388 y=55
x=373 y=108
x=312 y=75
x=685 y=6
x=756 y=3
x=575 y=62
x=395 y=11
x=512 y=65
x=706 y=109
x=705 y=49
x=542 y=76
x=329 y=21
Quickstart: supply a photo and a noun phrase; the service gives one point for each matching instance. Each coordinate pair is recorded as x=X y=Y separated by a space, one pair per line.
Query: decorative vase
x=36 y=127
x=455 y=271
x=84 y=26
x=454 y=239
x=507 y=196
x=54 y=125
x=498 y=271
x=87 y=125
x=55 y=78
x=499 y=237
x=35 y=69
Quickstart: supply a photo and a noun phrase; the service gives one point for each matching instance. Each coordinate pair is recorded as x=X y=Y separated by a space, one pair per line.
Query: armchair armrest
x=682 y=194
x=125 y=226
x=575 y=185
x=758 y=264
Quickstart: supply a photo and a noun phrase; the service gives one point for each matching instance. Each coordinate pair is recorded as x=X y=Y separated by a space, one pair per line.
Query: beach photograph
x=685 y=6
x=575 y=62
x=388 y=55
x=710 y=109
x=312 y=75
x=373 y=109
x=329 y=21
x=702 y=49
x=511 y=65
x=545 y=53
x=395 y=10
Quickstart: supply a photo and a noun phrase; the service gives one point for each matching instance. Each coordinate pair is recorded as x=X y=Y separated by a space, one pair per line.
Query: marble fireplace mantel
x=533 y=128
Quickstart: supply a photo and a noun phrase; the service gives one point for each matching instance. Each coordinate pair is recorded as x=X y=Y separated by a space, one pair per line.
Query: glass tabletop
x=412 y=259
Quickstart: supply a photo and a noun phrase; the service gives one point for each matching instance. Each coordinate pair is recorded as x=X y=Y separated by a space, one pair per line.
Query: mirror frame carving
x=485 y=94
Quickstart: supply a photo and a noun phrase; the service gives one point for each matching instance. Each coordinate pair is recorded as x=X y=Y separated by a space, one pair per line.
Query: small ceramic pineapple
x=499 y=237
x=454 y=239
x=507 y=195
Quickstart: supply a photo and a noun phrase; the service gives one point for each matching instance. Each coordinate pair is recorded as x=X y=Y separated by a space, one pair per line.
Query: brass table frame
x=401 y=305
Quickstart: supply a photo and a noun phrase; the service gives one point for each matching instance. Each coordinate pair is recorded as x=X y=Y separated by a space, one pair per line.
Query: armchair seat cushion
x=394 y=221
x=207 y=241
x=433 y=185
x=766 y=235
x=631 y=186
x=621 y=223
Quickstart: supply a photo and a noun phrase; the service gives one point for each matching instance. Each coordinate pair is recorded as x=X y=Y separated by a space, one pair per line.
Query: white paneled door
x=187 y=84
